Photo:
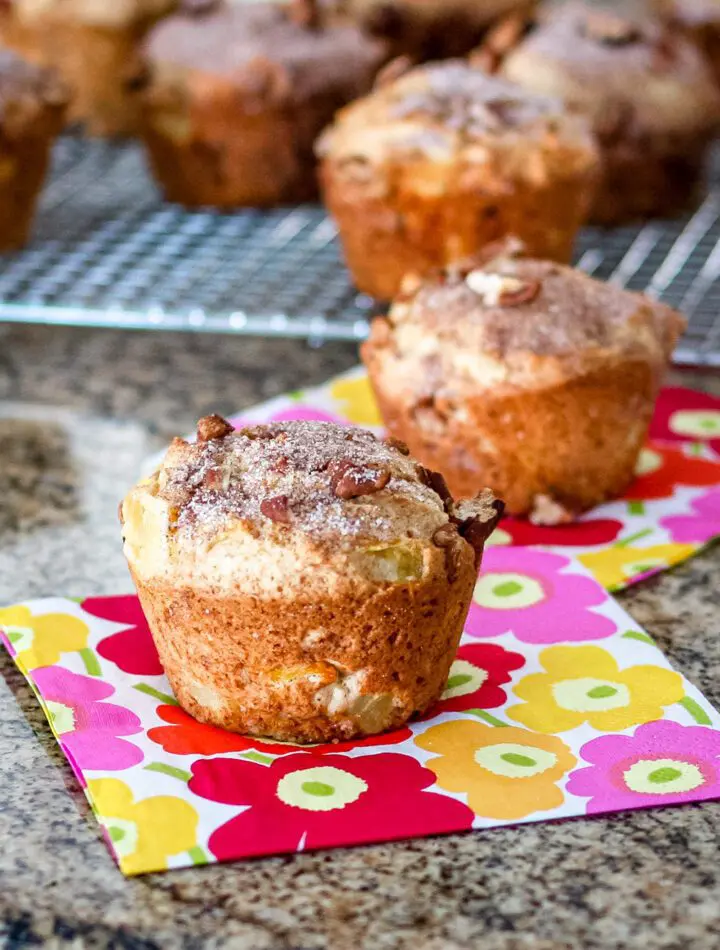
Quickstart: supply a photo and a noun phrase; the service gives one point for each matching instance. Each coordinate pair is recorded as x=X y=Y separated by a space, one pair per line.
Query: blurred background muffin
x=700 y=19
x=440 y=161
x=33 y=102
x=234 y=95
x=646 y=88
x=430 y=29
x=91 y=43
x=525 y=376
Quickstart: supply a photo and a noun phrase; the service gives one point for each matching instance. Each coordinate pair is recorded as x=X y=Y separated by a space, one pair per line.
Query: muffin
x=438 y=162
x=431 y=29
x=523 y=375
x=234 y=96
x=303 y=580
x=700 y=19
x=32 y=110
x=91 y=43
x=645 y=87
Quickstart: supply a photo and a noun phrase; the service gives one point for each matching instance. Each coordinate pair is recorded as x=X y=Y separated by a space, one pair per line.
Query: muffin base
x=255 y=666
x=649 y=179
x=575 y=444
x=384 y=239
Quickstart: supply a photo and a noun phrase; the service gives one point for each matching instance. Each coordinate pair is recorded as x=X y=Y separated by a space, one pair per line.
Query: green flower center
x=324 y=788
x=697 y=423
x=586 y=694
x=514 y=760
x=508 y=591
x=464 y=679
x=663 y=777
x=317 y=788
x=123 y=834
x=62 y=718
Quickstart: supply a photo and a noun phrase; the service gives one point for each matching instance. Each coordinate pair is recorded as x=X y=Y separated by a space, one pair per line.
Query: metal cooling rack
x=107 y=251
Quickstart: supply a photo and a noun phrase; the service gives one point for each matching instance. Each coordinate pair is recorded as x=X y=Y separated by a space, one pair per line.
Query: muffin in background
x=645 y=87
x=233 y=97
x=523 y=375
x=33 y=102
x=90 y=43
x=700 y=19
x=303 y=580
x=439 y=161
x=430 y=29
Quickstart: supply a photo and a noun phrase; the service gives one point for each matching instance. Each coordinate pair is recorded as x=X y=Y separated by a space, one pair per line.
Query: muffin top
x=451 y=110
x=518 y=322
x=104 y=13
x=27 y=92
x=692 y=13
x=282 y=50
x=626 y=69
x=314 y=490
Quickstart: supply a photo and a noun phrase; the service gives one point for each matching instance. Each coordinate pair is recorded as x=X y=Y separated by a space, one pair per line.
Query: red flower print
x=683 y=415
x=476 y=678
x=131 y=649
x=576 y=534
x=660 y=469
x=186 y=736
x=305 y=801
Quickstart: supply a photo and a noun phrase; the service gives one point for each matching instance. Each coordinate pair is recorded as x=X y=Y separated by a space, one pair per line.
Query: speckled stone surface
x=78 y=412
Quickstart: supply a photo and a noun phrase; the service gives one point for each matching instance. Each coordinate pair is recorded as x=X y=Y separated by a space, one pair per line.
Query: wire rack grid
x=108 y=251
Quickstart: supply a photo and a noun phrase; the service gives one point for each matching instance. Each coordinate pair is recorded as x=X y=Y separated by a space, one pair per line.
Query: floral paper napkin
x=557 y=705
x=670 y=512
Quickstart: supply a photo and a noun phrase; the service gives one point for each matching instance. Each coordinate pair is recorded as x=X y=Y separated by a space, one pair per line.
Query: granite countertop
x=79 y=411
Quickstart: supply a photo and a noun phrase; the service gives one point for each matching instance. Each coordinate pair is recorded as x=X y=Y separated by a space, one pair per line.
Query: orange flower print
x=507 y=773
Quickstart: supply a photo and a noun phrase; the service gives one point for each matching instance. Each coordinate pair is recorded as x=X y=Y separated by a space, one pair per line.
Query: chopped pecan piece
x=305 y=13
x=477 y=518
x=502 y=290
x=277 y=509
x=213 y=427
x=393 y=70
x=610 y=30
x=397 y=444
x=351 y=481
x=438 y=484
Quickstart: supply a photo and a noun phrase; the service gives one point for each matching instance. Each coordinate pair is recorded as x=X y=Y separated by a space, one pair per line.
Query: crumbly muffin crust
x=27 y=92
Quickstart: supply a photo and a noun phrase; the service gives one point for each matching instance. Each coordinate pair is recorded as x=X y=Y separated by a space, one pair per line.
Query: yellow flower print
x=357 y=401
x=614 y=567
x=144 y=834
x=39 y=641
x=506 y=772
x=585 y=684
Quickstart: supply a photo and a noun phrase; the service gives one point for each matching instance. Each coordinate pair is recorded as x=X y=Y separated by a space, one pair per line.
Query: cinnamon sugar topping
x=610 y=29
x=332 y=482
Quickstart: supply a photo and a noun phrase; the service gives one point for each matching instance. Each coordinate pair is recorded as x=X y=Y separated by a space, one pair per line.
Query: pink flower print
x=132 y=649
x=87 y=728
x=524 y=592
x=700 y=527
x=661 y=763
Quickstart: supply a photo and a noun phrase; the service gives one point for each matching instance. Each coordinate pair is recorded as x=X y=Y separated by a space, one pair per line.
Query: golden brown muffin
x=523 y=375
x=91 y=43
x=236 y=95
x=646 y=89
x=303 y=580
x=439 y=162
x=32 y=110
x=430 y=29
